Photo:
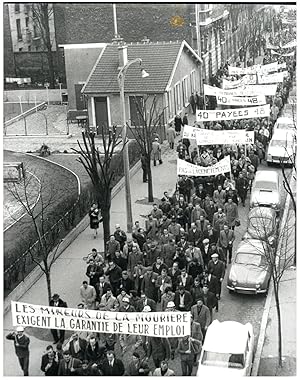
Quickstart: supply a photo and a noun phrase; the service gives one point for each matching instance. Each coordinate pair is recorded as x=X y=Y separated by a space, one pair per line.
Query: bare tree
x=277 y=255
x=44 y=252
x=41 y=14
x=101 y=165
x=149 y=120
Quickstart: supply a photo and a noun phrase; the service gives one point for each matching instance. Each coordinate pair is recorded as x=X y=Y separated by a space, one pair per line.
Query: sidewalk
x=287 y=295
x=68 y=271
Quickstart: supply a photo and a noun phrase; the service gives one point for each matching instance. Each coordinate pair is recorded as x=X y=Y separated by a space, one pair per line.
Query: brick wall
x=78 y=23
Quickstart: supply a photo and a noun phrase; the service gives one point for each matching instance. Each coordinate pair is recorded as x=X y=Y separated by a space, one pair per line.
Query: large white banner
x=248 y=90
x=212 y=137
x=233 y=114
x=246 y=79
x=290 y=44
x=271 y=78
x=253 y=69
x=163 y=324
x=190 y=132
x=241 y=100
x=186 y=168
x=282 y=66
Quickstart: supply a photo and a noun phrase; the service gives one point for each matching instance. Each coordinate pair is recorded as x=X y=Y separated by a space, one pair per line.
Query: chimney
x=123 y=59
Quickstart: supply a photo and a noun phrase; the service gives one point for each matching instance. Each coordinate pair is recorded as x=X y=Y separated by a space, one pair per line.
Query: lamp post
x=121 y=80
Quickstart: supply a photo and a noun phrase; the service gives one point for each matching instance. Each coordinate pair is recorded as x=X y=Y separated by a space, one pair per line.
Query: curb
x=36 y=273
x=264 y=320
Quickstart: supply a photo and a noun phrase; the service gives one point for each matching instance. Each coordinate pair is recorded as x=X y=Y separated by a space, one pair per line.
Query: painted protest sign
x=271 y=78
x=241 y=101
x=242 y=70
x=282 y=66
x=270 y=46
x=290 y=44
x=188 y=169
x=163 y=324
x=274 y=52
x=233 y=114
x=248 y=90
x=246 y=79
x=189 y=132
x=289 y=54
x=235 y=136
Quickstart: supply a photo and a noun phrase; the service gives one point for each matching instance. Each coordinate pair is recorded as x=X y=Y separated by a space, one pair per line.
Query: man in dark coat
x=174 y=272
x=112 y=366
x=93 y=272
x=49 y=364
x=126 y=283
x=120 y=236
x=57 y=302
x=87 y=370
x=77 y=346
x=242 y=187
x=148 y=284
x=192 y=101
x=21 y=343
x=183 y=299
x=68 y=365
x=144 y=168
x=217 y=268
x=114 y=274
x=159 y=348
x=210 y=300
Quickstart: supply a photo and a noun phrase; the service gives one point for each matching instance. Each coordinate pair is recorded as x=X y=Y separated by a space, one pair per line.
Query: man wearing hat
x=58 y=335
x=137 y=367
x=21 y=343
x=217 y=268
x=156 y=151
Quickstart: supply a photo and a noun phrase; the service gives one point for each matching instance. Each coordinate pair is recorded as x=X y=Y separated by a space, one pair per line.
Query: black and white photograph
x=149 y=189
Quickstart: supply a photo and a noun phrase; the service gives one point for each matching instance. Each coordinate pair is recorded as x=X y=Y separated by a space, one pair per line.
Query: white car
x=227 y=350
x=286 y=123
x=281 y=147
x=265 y=190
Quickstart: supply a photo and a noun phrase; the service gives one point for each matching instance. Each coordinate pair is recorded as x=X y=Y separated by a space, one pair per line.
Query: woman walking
x=94 y=219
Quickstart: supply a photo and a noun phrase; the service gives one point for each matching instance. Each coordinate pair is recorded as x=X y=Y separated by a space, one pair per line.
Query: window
x=185 y=90
x=34 y=31
x=178 y=103
x=18 y=21
x=193 y=81
x=136 y=104
x=27 y=21
x=20 y=49
x=29 y=48
x=170 y=104
x=17 y=8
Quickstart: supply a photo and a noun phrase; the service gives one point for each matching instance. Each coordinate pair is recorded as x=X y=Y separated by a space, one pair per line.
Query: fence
x=32 y=96
x=16 y=272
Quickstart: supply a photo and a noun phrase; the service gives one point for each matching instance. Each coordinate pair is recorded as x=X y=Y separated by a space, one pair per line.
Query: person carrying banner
x=188 y=347
x=21 y=343
x=58 y=335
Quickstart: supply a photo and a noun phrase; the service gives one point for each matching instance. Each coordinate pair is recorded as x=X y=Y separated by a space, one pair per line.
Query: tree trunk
x=150 y=184
x=276 y=291
x=48 y=280
x=106 y=224
x=48 y=44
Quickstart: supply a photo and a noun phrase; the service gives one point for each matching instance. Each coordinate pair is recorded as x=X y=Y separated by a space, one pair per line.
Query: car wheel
x=231 y=291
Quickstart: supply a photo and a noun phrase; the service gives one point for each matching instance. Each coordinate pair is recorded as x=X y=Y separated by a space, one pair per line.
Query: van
x=281 y=147
x=265 y=190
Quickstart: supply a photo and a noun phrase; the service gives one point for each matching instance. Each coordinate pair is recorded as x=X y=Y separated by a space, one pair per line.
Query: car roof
x=253 y=246
x=266 y=175
x=284 y=120
x=262 y=212
x=283 y=134
x=226 y=337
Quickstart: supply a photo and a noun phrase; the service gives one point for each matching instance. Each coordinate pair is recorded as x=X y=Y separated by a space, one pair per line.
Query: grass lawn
x=56 y=182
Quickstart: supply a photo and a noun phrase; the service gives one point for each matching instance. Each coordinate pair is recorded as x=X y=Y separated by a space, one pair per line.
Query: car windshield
x=260 y=225
x=224 y=360
x=265 y=185
x=281 y=143
x=250 y=259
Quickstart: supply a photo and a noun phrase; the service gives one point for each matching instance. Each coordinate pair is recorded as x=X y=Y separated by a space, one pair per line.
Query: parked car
x=262 y=224
x=250 y=271
x=265 y=190
x=290 y=111
x=286 y=122
x=281 y=147
x=227 y=350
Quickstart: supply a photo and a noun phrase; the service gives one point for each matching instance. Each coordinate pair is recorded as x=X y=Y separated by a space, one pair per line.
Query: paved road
x=241 y=307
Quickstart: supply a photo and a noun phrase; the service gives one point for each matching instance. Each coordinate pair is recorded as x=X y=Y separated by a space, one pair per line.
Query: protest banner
x=289 y=54
x=240 y=100
x=233 y=114
x=242 y=70
x=188 y=169
x=248 y=90
x=274 y=52
x=270 y=46
x=271 y=78
x=189 y=132
x=234 y=136
x=246 y=79
x=162 y=324
x=290 y=44
x=282 y=66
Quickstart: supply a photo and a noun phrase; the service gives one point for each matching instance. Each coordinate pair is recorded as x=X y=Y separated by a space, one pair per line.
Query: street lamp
x=121 y=80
